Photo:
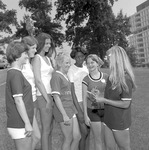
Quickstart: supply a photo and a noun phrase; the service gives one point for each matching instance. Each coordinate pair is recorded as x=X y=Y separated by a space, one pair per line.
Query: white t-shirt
x=28 y=74
x=46 y=75
x=76 y=75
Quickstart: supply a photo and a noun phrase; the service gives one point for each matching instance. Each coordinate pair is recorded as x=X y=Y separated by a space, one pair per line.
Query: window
x=141 y=50
x=141 y=55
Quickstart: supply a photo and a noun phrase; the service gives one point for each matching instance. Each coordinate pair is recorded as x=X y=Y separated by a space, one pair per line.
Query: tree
x=131 y=52
x=7 y=18
x=40 y=13
x=101 y=30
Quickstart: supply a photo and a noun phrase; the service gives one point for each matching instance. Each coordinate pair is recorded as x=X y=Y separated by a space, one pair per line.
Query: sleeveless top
x=46 y=74
x=28 y=74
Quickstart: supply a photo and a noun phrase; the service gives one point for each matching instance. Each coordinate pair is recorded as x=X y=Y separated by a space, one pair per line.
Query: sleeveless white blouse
x=46 y=74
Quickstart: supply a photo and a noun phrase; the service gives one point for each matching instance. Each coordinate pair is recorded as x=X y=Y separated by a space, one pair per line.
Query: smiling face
x=65 y=65
x=32 y=51
x=79 y=57
x=47 y=45
x=91 y=65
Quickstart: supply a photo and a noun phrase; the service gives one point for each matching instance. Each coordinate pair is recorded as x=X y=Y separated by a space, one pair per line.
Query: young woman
x=118 y=96
x=76 y=74
x=19 y=102
x=94 y=83
x=64 y=109
x=43 y=69
x=27 y=71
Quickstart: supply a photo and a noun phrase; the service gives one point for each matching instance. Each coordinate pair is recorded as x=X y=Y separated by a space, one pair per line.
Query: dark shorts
x=41 y=102
x=95 y=115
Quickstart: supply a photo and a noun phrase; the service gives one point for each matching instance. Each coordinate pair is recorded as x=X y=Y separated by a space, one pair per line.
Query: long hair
x=41 y=38
x=119 y=66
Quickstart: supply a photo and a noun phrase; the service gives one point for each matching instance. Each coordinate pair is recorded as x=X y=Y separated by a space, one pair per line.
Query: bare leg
x=122 y=139
x=96 y=129
x=76 y=134
x=24 y=143
x=109 y=139
x=46 y=121
x=67 y=132
x=36 y=132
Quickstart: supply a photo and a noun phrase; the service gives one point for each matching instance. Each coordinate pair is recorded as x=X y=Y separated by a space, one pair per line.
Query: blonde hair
x=95 y=58
x=119 y=66
x=60 y=59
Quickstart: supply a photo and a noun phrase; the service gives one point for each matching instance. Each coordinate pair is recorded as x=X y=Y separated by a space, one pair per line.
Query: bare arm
x=37 y=73
x=84 y=95
x=22 y=111
x=120 y=104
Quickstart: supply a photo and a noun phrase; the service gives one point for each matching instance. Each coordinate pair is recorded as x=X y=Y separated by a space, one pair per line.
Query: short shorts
x=95 y=115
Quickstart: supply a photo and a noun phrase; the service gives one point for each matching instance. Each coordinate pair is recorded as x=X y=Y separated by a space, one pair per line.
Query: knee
x=110 y=146
x=46 y=129
x=98 y=139
x=125 y=146
x=77 y=136
x=84 y=131
x=68 y=139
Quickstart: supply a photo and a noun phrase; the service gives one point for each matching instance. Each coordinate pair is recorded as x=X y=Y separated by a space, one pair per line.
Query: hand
x=87 y=120
x=66 y=120
x=99 y=99
x=48 y=106
x=28 y=129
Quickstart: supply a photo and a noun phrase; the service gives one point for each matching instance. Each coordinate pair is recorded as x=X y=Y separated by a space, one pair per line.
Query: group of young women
x=79 y=97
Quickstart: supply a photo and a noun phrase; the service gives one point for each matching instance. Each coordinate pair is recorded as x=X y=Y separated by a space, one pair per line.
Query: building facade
x=140 y=32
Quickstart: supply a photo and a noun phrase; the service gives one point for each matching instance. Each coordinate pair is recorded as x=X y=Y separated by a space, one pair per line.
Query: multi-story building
x=140 y=32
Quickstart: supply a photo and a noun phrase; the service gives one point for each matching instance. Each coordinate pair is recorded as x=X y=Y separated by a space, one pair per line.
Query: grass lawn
x=140 y=115
x=139 y=130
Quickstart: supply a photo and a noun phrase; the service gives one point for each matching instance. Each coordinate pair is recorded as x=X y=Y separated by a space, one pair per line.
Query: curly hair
x=76 y=50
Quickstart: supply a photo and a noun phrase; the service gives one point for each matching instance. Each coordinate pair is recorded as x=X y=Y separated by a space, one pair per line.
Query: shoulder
x=86 y=77
x=86 y=80
x=36 y=60
x=37 y=57
x=55 y=75
x=14 y=72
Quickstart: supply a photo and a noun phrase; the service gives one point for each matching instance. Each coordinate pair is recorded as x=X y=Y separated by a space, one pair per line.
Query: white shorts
x=16 y=133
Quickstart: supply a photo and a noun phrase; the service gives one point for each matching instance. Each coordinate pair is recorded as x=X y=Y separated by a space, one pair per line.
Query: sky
x=128 y=7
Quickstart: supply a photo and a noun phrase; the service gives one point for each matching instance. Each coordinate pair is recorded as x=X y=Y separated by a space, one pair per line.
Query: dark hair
x=41 y=38
x=29 y=40
x=14 y=50
x=76 y=50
